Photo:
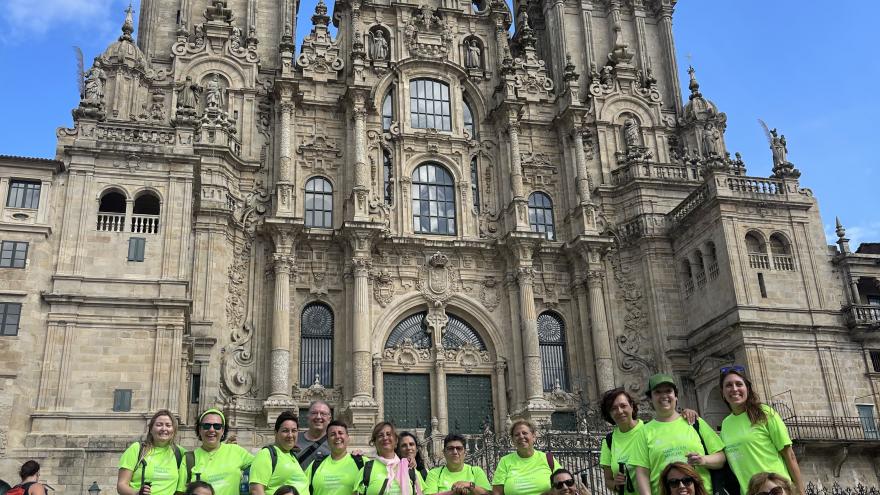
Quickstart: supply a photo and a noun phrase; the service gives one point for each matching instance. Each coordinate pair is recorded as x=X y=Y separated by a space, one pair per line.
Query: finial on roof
x=840 y=231
x=320 y=16
x=127 y=25
x=694 y=86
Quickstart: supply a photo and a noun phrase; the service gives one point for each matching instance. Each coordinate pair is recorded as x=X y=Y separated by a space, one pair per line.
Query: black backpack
x=724 y=481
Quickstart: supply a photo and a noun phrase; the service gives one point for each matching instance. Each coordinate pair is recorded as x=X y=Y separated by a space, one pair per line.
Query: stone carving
x=468 y=356
x=436 y=319
x=406 y=354
x=157 y=106
x=561 y=398
x=319 y=153
x=426 y=34
x=317 y=391
x=436 y=280
x=214 y=93
x=188 y=94
x=473 y=55
x=711 y=141
x=94 y=85
x=319 y=281
x=634 y=346
x=383 y=287
x=319 y=58
x=489 y=293
x=378 y=44
x=782 y=168
x=631 y=133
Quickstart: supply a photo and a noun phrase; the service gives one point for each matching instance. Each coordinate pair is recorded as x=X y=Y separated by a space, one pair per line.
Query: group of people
x=682 y=455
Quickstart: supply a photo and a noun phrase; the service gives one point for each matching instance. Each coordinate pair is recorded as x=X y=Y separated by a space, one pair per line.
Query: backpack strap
x=550 y=460
x=358 y=460
x=609 y=438
x=368 y=471
x=27 y=487
x=190 y=458
x=697 y=427
x=273 y=454
x=178 y=455
x=142 y=460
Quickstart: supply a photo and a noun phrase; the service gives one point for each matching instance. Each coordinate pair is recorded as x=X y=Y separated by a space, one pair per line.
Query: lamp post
x=94 y=489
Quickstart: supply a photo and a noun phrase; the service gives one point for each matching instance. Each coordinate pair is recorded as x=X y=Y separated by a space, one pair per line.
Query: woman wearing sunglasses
x=769 y=484
x=680 y=478
x=153 y=466
x=755 y=438
x=215 y=462
x=563 y=483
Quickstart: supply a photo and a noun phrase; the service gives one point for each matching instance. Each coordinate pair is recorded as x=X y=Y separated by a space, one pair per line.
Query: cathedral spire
x=127 y=25
x=694 y=86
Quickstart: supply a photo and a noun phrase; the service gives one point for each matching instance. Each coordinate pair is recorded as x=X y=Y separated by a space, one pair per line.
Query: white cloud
x=37 y=17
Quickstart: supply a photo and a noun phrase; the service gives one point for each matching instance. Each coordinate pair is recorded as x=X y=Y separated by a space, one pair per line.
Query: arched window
x=551 y=338
x=145 y=216
x=541 y=214
x=469 y=126
x=433 y=200
x=757 y=251
x=111 y=212
x=712 y=256
x=319 y=203
x=754 y=244
x=687 y=277
x=475 y=184
x=429 y=105
x=456 y=335
x=387 y=175
x=316 y=351
x=699 y=263
x=781 y=252
x=388 y=111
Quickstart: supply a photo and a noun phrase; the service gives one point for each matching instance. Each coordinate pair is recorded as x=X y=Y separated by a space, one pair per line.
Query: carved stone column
x=669 y=58
x=361 y=186
x=500 y=392
x=516 y=185
x=361 y=331
x=442 y=411
x=529 y=328
x=378 y=384
x=583 y=181
x=284 y=187
x=599 y=325
x=280 y=382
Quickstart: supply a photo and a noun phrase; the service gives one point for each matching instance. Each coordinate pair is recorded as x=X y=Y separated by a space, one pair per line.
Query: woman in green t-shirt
x=620 y=409
x=154 y=466
x=276 y=465
x=526 y=471
x=215 y=462
x=755 y=438
x=389 y=474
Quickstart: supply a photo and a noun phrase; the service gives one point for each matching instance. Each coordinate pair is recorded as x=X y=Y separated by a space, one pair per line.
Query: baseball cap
x=660 y=379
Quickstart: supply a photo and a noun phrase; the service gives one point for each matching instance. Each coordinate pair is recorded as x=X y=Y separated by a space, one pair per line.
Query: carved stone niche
x=473 y=56
x=317 y=391
x=406 y=355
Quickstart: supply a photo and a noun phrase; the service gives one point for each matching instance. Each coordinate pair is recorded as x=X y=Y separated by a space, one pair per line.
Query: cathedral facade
x=422 y=218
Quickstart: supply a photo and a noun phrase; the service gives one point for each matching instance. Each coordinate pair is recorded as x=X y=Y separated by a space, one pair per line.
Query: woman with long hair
x=155 y=465
x=216 y=462
x=755 y=438
x=620 y=409
x=679 y=478
x=388 y=473
x=525 y=471
x=769 y=484
x=408 y=446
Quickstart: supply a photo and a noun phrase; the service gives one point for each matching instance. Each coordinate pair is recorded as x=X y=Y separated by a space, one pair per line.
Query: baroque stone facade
x=424 y=211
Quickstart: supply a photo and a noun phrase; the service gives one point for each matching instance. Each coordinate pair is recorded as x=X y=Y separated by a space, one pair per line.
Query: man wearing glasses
x=312 y=443
x=456 y=477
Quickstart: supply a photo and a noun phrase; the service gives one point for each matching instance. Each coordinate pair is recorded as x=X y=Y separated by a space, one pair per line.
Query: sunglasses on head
x=208 y=426
x=676 y=482
x=569 y=482
x=736 y=368
x=776 y=490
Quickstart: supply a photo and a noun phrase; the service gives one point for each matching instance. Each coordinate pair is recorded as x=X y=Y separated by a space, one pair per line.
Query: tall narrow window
x=10 y=315
x=387 y=175
x=475 y=185
x=429 y=105
x=469 y=126
x=433 y=200
x=145 y=216
x=24 y=194
x=137 y=246
x=319 y=203
x=551 y=339
x=388 y=111
x=316 y=356
x=541 y=214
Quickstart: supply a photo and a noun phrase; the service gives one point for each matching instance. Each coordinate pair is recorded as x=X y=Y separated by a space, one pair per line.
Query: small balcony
x=833 y=429
x=757 y=260
x=111 y=222
x=862 y=315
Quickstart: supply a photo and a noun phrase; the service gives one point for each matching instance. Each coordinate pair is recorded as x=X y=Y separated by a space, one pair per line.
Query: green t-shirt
x=334 y=477
x=622 y=447
x=753 y=449
x=287 y=471
x=220 y=468
x=378 y=474
x=663 y=443
x=162 y=471
x=524 y=475
x=441 y=479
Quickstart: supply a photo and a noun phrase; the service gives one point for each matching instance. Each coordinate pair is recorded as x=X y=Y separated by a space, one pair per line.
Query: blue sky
x=804 y=67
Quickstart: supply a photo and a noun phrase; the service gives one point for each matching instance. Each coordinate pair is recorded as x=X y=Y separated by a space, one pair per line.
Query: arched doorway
x=446 y=376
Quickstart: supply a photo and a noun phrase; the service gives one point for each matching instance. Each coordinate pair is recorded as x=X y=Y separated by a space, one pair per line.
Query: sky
x=807 y=68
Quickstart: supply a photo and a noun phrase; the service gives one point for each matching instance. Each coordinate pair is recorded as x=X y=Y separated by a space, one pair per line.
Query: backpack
x=724 y=481
x=21 y=489
x=178 y=456
x=358 y=461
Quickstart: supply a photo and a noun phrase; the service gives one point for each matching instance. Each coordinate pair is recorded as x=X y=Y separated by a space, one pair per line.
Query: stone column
x=442 y=406
x=280 y=357
x=362 y=359
x=515 y=163
x=529 y=328
x=361 y=187
x=665 y=24
x=580 y=291
x=284 y=187
x=583 y=181
x=599 y=324
x=500 y=392
x=854 y=290
x=378 y=384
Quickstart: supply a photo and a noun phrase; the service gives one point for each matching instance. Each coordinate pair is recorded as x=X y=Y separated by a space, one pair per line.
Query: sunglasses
x=676 y=482
x=737 y=368
x=569 y=482
x=208 y=426
x=776 y=490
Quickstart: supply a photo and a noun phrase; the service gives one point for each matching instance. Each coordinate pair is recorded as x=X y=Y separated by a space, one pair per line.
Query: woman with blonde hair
x=388 y=472
x=152 y=466
x=770 y=484
x=680 y=478
x=526 y=471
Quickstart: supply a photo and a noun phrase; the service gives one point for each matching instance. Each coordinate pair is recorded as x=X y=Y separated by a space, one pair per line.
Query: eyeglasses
x=208 y=426
x=675 y=482
x=454 y=448
x=736 y=368
x=569 y=482
x=776 y=490
x=320 y=413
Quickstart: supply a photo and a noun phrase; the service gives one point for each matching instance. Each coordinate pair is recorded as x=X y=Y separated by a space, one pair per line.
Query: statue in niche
x=473 y=55
x=188 y=94
x=631 y=133
x=711 y=140
x=94 y=84
x=235 y=39
x=378 y=45
x=607 y=77
x=779 y=148
x=214 y=93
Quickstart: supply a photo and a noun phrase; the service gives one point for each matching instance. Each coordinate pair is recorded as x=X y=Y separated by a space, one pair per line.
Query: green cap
x=660 y=379
x=213 y=411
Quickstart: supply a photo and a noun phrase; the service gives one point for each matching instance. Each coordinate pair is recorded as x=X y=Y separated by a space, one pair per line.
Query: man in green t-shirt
x=669 y=438
x=336 y=474
x=271 y=470
x=456 y=477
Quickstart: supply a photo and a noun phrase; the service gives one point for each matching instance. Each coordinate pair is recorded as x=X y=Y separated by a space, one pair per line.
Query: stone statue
x=473 y=55
x=779 y=148
x=214 y=93
x=235 y=39
x=94 y=85
x=607 y=77
x=378 y=45
x=631 y=133
x=711 y=141
x=188 y=94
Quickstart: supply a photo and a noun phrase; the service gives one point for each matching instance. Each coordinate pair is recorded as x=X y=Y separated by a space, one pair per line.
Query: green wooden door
x=407 y=400
x=469 y=399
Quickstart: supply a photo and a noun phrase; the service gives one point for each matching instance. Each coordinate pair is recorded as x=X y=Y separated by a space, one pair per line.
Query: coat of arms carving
x=436 y=280
x=383 y=287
